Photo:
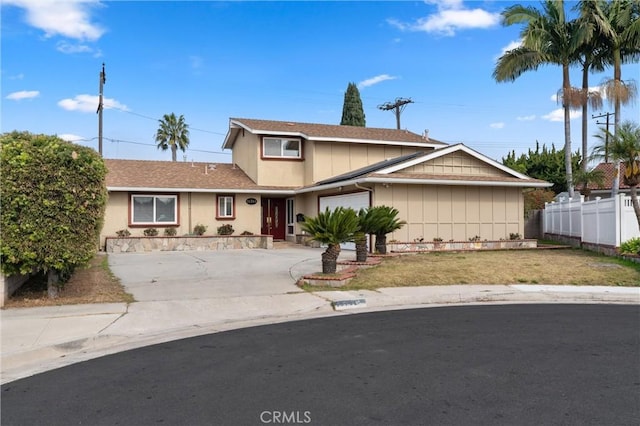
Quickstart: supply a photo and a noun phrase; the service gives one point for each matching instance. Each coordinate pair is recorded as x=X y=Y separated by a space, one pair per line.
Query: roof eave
x=201 y=190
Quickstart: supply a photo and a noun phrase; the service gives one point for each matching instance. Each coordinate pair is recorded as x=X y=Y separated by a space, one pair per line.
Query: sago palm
x=332 y=227
x=384 y=220
x=172 y=133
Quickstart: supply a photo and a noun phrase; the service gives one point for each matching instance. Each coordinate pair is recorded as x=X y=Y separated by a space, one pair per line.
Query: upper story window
x=281 y=148
x=154 y=209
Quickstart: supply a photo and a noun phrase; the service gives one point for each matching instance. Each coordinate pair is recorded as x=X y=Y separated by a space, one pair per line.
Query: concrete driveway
x=160 y=276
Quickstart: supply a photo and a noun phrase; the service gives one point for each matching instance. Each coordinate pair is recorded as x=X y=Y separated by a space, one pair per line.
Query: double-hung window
x=154 y=209
x=281 y=148
x=226 y=207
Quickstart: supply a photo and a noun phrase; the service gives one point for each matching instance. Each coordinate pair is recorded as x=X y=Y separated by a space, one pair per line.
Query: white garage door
x=356 y=200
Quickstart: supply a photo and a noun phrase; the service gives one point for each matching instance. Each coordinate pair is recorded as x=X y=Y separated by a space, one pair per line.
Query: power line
x=157 y=119
x=399 y=106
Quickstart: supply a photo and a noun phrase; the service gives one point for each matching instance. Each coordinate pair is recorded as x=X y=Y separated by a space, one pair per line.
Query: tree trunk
x=361 y=247
x=633 y=190
x=617 y=81
x=330 y=259
x=381 y=243
x=585 y=107
x=174 y=152
x=52 y=284
x=566 y=104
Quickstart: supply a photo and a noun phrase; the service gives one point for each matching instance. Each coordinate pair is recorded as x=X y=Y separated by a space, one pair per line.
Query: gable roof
x=167 y=176
x=390 y=171
x=326 y=133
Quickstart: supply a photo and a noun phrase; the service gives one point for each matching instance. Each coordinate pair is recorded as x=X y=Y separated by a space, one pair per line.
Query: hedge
x=53 y=201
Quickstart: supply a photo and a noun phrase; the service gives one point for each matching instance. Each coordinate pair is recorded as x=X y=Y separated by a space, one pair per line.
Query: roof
x=326 y=132
x=609 y=171
x=134 y=175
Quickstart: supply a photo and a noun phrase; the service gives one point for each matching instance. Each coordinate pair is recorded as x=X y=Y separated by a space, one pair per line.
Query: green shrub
x=631 y=246
x=246 y=233
x=515 y=236
x=199 y=229
x=170 y=232
x=150 y=232
x=53 y=202
x=225 y=229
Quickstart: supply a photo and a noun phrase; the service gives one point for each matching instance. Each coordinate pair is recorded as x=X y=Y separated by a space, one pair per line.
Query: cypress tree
x=352 y=111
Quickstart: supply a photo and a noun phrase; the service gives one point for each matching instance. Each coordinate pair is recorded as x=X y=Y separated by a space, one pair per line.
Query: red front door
x=273 y=217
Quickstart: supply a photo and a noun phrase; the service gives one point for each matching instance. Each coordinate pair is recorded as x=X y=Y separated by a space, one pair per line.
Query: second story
x=279 y=153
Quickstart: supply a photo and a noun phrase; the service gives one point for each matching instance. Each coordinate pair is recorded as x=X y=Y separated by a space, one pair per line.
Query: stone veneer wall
x=460 y=245
x=146 y=244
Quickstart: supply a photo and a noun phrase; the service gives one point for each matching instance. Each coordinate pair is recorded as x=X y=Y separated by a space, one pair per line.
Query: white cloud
x=70 y=19
x=70 y=137
x=89 y=103
x=558 y=115
x=499 y=125
x=70 y=48
x=375 y=80
x=23 y=94
x=16 y=77
x=451 y=17
x=526 y=118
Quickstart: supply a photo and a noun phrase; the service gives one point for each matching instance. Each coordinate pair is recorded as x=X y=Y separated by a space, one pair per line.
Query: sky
x=289 y=61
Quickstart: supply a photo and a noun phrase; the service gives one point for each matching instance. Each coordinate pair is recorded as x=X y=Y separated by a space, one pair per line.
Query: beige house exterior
x=282 y=171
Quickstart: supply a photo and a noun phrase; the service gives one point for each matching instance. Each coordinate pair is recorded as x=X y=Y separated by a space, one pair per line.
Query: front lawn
x=565 y=266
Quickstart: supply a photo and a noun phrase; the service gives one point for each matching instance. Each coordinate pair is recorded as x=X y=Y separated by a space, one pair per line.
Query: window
x=154 y=209
x=290 y=217
x=226 y=207
x=281 y=148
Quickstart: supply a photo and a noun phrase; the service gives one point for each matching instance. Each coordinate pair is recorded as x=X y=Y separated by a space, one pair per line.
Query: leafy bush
x=170 y=232
x=123 y=233
x=225 y=229
x=150 y=232
x=53 y=202
x=246 y=233
x=631 y=246
x=515 y=236
x=199 y=229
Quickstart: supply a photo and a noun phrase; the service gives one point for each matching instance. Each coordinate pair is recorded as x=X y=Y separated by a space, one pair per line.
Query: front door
x=273 y=217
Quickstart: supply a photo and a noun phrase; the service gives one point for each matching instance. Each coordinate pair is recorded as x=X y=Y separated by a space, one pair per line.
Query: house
x=283 y=171
x=609 y=172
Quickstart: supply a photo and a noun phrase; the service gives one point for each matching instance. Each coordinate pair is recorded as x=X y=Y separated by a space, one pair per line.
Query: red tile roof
x=313 y=130
x=608 y=169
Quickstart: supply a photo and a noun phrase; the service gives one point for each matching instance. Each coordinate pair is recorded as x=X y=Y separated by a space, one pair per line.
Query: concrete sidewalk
x=35 y=340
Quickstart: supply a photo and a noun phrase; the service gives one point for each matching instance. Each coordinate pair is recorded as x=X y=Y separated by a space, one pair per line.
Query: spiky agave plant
x=332 y=227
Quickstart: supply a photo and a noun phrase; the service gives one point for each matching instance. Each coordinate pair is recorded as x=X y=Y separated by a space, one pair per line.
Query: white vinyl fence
x=608 y=221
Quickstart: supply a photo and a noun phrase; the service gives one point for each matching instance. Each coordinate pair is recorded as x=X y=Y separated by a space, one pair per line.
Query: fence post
x=619 y=206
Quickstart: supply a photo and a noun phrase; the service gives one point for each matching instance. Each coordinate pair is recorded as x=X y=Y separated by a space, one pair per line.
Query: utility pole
x=399 y=106
x=103 y=80
x=606 y=135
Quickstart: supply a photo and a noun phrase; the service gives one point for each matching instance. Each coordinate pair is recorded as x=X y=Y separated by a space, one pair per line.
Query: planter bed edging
x=198 y=243
x=426 y=246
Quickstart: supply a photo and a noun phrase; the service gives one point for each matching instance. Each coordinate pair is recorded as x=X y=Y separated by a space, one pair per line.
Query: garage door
x=356 y=200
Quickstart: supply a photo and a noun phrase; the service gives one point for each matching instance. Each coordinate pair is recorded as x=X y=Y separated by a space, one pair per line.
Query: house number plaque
x=251 y=201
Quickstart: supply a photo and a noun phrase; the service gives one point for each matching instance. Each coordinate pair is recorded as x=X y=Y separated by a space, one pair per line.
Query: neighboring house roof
x=166 y=176
x=609 y=172
x=327 y=133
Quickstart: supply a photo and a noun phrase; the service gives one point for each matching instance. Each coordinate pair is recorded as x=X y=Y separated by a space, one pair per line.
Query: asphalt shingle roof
x=313 y=130
x=168 y=174
x=609 y=169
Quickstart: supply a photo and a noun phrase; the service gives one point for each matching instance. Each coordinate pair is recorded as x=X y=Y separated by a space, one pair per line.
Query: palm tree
x=617 y=24
x=383 y=221
x=583 y=178
x=624 y=147
x=547 y=38
x=332 y=227
x=367 y=220
x=173 y=132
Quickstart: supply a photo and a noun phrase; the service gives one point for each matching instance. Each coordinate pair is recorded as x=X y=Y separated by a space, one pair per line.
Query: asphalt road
x=491 y=365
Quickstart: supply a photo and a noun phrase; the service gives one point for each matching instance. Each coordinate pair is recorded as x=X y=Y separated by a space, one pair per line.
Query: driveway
x=160 y=276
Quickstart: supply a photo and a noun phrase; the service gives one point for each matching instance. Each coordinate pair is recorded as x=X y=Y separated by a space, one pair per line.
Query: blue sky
x=289 y=61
